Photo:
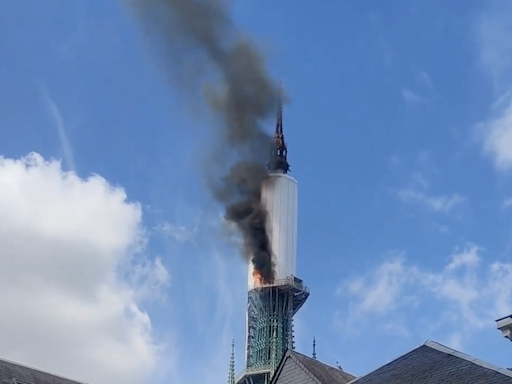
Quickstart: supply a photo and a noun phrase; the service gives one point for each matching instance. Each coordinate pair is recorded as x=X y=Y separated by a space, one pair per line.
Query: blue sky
x=399 y=130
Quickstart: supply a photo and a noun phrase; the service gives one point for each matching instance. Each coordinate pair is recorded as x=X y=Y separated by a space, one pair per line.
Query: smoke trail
x=201 y=35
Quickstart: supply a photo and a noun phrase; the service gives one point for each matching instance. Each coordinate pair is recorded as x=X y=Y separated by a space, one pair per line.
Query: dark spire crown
x=278 y=159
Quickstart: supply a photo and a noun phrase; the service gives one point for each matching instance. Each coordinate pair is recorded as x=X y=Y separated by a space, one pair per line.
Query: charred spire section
x=278 y=156
x=200 y=42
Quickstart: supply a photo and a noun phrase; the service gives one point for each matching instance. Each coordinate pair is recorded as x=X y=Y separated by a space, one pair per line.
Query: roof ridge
x=293 y=354
x=318 y=361
x=41 y=371
x=309 y=357
x=482 y=363
x=320 y=371
x=381 y=366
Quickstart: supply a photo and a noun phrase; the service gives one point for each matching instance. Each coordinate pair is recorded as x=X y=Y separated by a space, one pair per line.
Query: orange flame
x=257 y=279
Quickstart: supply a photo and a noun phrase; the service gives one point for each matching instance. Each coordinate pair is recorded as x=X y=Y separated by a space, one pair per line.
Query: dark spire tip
x=278 y=159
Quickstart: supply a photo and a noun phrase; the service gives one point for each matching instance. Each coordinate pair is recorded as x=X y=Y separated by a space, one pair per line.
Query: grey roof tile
x=433 y=363
x=26 y=375
x=323 y=372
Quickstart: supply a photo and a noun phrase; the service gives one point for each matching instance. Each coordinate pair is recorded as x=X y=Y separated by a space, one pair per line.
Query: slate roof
x=26 y=375
x=433 y=363
x=323 y=373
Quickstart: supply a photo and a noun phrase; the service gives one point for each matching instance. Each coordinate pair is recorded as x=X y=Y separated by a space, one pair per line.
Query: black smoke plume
x=201 y=42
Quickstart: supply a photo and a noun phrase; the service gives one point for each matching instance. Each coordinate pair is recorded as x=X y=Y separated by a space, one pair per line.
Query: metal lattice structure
x=270 y=327
x=231 y=377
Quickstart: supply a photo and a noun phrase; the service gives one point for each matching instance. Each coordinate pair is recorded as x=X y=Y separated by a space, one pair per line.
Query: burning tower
x=271 y=305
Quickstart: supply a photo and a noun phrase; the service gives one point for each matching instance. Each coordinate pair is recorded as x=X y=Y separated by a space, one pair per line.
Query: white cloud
x=443 y=203
x=506 y=203
x=178 y=232
x=417 y=193
x=465 y=295
x=494 y=31
x=423 y=78
x=380 y=292
x=442 y=228
x=422 y=81
x=411 y=97
x=64 y=241
x=149 y=278
x=496 y=134
x=61 y=129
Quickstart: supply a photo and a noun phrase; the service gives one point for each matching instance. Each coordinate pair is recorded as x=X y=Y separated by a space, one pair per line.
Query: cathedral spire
x=278 y=159
x=279 y=136
x=314 y=348
x=231 y=378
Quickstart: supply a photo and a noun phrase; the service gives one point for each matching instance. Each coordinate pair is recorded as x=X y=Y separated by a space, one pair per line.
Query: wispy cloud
x=417 y=192
x=412 y=97
x=442 y=228
x=210 y=278
x=422 y=82
x=494 y=36
x=178 y=232
x=496 y=134
x=382 y=292
x=506 y=203
x=65 y=145
x=423 y=78
x=151 y=279
x=441 y=203
x=218 y=295
x=494 y=33
x=467 y=293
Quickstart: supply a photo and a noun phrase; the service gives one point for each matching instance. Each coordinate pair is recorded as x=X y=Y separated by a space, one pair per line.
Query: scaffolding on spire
x=231 y=378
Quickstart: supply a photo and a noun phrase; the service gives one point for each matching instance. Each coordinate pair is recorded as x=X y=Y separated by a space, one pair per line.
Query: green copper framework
x=270 y=327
